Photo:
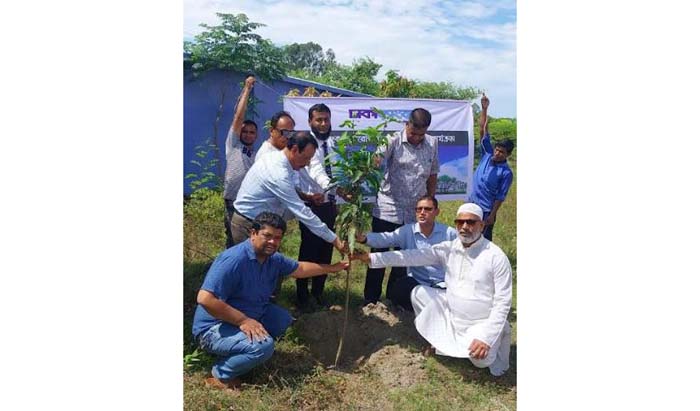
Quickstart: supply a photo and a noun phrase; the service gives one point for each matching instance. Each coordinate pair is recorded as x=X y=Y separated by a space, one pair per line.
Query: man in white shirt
x=281 y=127
x=239 y=153
x=470 y=318
x=317 y=179
x=269 y=186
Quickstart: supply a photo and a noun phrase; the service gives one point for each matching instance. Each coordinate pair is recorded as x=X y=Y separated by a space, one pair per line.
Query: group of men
x=456 y=281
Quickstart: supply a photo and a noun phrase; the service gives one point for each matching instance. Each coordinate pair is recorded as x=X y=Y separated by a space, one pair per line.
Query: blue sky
x=469 y=43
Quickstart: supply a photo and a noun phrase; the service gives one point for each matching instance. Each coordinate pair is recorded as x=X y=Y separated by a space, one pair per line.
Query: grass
x=293 y=379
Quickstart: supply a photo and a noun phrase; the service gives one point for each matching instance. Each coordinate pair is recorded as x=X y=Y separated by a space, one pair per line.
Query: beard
x=467 y=238
x=321 y=136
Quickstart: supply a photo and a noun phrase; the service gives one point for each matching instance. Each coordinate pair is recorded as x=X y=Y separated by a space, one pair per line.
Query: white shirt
x=265 y=148
x=313 y=178
x=479 y=292
x=269 y=186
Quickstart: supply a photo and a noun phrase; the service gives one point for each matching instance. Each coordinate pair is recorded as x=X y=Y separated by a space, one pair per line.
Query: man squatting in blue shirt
x=235 y=319
x=493 y=177
x=422 y=234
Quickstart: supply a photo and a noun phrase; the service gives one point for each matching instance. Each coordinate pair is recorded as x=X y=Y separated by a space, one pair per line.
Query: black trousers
x=488 y=231
x=375 y=276
x=316 y=250
x=400 y=292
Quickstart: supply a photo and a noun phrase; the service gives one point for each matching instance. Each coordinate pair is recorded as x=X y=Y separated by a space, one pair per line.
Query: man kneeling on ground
x=235 y=319
x=470 y=318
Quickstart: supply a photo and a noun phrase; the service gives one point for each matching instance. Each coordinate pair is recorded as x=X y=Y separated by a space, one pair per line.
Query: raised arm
x=484 y=118
x=242 y=105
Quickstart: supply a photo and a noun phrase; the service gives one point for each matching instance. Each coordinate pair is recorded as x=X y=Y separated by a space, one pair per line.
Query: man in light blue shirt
x=422 y=234
x=269 y=186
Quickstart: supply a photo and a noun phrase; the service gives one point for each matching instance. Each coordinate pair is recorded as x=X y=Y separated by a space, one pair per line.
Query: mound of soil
x=397 y=367
x=375 y=335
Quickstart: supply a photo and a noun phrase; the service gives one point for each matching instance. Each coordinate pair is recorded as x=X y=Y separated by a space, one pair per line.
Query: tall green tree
x=308 y=57
x=233 y=45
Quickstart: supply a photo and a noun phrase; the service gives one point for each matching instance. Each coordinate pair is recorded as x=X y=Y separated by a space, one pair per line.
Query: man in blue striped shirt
x=493 y=177
x=422 y=234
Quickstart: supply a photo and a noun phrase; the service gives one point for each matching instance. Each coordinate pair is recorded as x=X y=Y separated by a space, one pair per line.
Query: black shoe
x=305 y=306
x=321 y=301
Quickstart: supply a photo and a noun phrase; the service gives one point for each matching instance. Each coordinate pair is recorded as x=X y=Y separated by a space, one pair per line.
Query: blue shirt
x=237 y=278
x=409 y=237
x=269 y=186
x=491 y=180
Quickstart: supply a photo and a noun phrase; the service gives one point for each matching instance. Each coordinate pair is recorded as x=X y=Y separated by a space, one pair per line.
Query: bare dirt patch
x=379 y=339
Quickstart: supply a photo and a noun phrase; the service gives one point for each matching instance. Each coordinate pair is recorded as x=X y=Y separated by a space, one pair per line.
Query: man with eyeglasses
x=269 y=186
x=493 y=176
x=424 y=233
x=410 y=171
x=470 y=318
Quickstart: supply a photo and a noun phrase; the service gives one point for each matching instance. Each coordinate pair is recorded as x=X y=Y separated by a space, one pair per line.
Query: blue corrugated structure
x=203 y=95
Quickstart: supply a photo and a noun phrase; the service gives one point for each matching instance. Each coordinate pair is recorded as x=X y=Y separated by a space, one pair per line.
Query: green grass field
x=293 y=379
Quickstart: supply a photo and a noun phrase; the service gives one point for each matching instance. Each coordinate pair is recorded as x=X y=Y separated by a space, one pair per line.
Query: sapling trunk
x=345 y=320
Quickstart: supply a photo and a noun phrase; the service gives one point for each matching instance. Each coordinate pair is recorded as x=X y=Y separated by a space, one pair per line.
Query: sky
x=468 y=43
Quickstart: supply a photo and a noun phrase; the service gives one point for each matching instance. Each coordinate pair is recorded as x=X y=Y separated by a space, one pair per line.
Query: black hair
x=320 y=107
x=507 y=145
x=301 y=139
x=278 y=115
x=429 y=197
x=269 y=219
x=251 y=122
x=420 y=118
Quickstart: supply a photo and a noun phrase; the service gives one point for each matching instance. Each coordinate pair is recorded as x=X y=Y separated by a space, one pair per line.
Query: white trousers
x=498 y=358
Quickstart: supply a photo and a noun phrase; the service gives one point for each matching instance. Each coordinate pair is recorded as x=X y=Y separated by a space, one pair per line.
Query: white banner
x=452 y=124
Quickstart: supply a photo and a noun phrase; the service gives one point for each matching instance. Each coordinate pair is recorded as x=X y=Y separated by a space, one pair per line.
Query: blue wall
x=202 y=96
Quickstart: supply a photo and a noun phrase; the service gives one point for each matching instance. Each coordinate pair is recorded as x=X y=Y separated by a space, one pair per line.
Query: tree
x=396 y=86
x=232 y=45
x=357 y=77
x=356 y=167
x=308 y=57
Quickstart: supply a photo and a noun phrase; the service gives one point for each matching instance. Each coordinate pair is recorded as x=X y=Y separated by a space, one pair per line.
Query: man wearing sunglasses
x=281 y=127
x=424 y=233
x=470 y=318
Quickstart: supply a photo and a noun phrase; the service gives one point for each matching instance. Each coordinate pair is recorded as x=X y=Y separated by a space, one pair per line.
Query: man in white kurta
x=470 y=318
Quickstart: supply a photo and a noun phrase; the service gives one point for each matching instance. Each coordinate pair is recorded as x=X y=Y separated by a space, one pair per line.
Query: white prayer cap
x=471 y=208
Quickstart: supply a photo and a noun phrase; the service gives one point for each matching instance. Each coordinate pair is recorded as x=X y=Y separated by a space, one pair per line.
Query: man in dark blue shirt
x=493 y=176
x=235 y=319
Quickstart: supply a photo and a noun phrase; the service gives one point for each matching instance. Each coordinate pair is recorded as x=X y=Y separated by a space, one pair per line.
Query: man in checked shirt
x=410 y=172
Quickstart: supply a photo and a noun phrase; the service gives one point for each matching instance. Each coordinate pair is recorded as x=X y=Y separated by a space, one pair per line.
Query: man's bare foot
x=428 y=351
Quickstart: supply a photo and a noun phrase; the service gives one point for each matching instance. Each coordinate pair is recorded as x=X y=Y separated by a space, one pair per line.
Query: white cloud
x=424 y=39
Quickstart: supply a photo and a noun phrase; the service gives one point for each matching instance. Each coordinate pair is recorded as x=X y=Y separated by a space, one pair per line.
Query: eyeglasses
x=419 y=209
x=287 y=133
x=459 y=222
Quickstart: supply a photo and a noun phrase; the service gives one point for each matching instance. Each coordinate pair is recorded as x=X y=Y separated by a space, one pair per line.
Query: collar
x=248 y=250
x=404 y=138
x=437 y=227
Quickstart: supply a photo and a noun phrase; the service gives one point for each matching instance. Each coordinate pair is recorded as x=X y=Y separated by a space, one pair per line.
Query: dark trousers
x=316 y=250
x=488 y=231
x=228 y=204
x=400 y=292
x=375 y=276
